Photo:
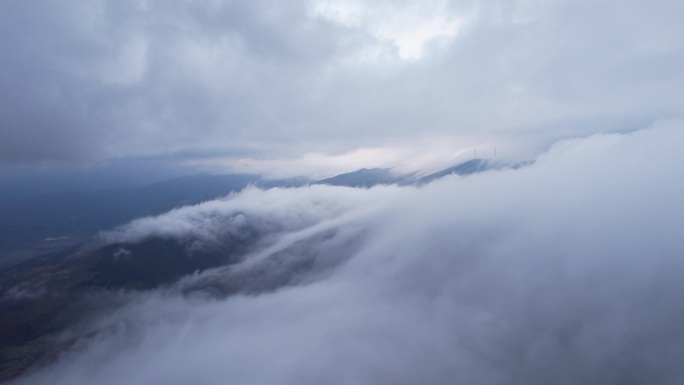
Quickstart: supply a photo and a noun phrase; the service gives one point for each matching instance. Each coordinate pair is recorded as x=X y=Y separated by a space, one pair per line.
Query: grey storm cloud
x=566 y=271
x=95 y=80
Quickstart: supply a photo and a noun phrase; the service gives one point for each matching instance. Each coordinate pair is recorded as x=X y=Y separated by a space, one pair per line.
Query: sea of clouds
x=567 y=271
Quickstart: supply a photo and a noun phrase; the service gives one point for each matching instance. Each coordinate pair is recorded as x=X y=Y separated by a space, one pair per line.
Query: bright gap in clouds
x=409 y=26
x=568 y=271
x=420 y=156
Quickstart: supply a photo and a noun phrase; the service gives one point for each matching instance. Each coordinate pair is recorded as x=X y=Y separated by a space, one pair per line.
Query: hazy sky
x=263 y=85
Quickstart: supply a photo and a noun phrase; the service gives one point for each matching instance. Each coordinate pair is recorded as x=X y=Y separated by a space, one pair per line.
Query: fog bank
x=567 y=271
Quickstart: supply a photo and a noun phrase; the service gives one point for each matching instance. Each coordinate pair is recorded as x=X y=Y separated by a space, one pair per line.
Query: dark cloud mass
x=95 y=80
x=566 y=271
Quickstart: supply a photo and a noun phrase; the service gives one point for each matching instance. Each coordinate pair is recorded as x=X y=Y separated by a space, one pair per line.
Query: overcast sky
x=248 y=81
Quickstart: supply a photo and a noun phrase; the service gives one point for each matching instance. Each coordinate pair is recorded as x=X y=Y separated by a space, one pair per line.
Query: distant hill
x=466 y=168
x=365 y=177
x=384 y=176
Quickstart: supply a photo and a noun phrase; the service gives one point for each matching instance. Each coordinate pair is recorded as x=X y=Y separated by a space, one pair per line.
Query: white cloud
x=261 y=213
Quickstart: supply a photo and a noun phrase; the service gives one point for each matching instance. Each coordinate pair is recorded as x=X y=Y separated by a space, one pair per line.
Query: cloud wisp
x=567 y=271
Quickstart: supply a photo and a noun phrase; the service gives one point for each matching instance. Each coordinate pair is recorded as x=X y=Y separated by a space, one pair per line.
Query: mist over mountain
x=480 y=279
x=30 y=218
x=48 y=248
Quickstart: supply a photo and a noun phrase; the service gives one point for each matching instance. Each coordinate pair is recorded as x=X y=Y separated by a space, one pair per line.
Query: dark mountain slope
x=364 y=177
x=470 y=167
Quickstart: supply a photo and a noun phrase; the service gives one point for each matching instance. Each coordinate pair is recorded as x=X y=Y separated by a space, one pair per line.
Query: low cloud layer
x=567 y=271
x=94 y=80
